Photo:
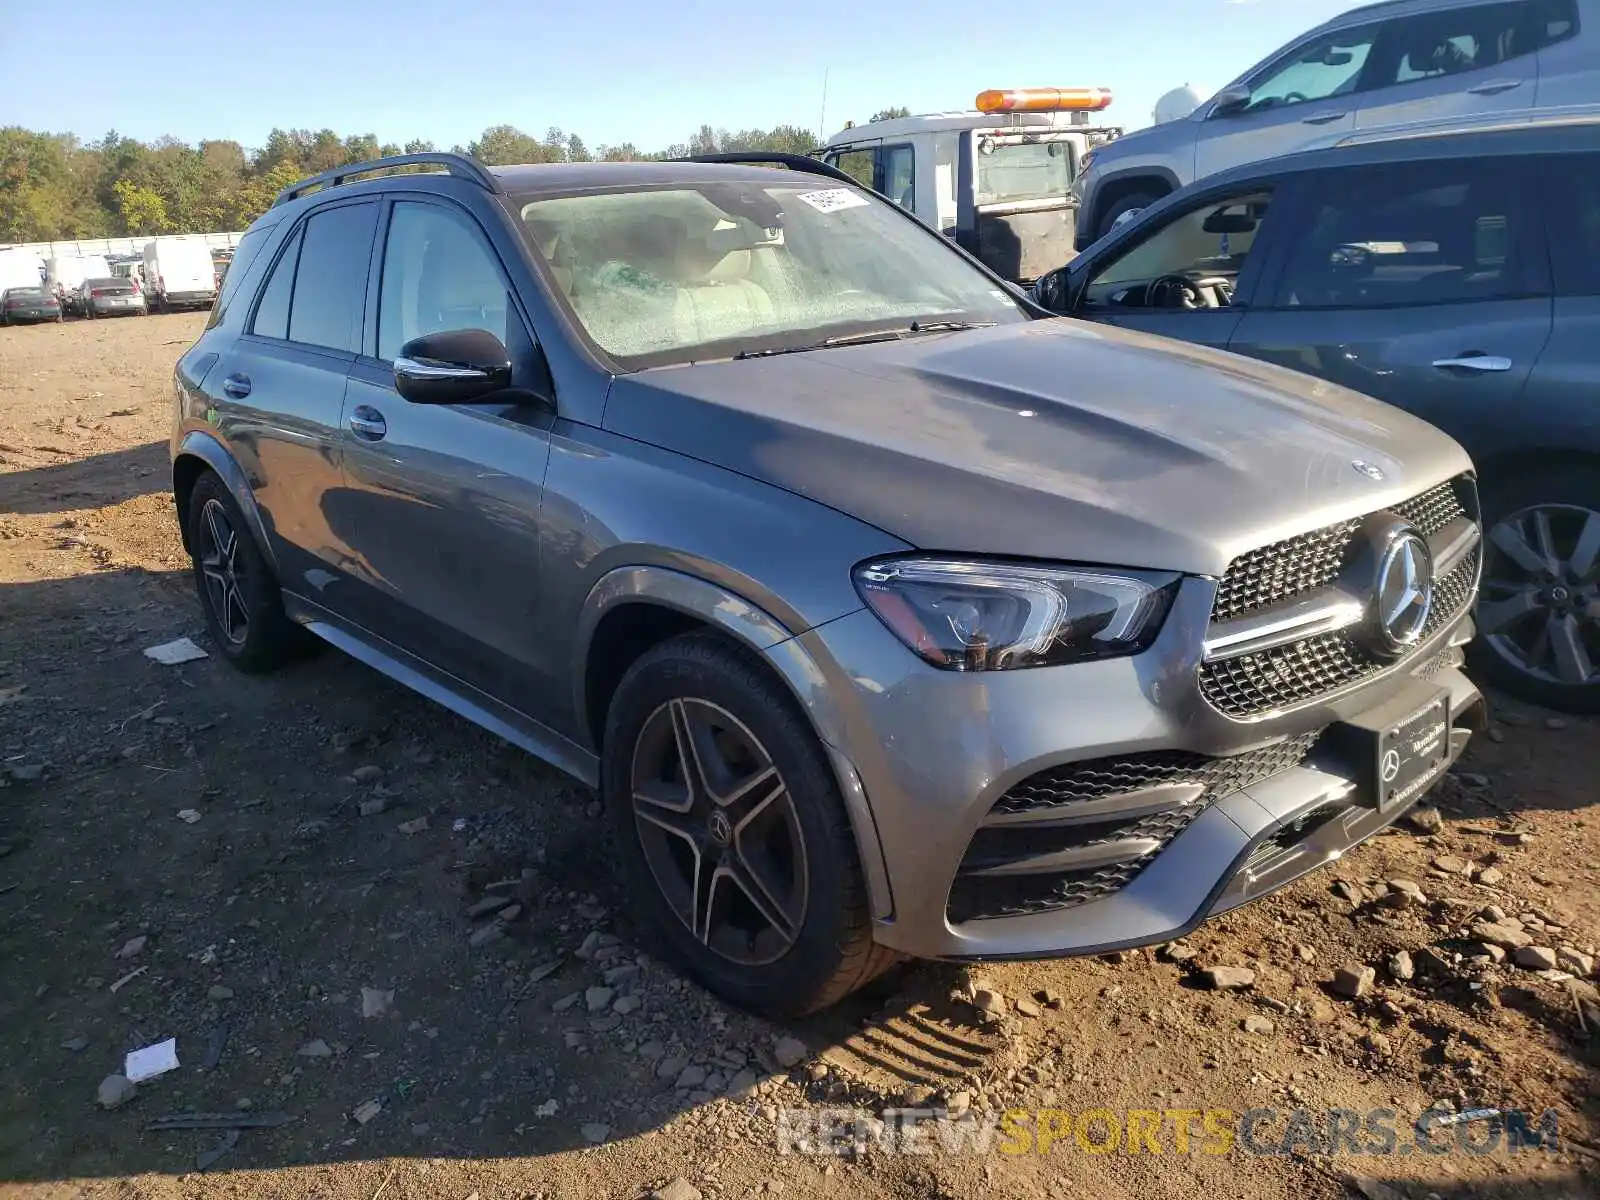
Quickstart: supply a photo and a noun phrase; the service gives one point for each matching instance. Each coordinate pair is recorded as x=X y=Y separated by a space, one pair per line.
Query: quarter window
x=272 y=313
x=438 y=274
x=1424 y=233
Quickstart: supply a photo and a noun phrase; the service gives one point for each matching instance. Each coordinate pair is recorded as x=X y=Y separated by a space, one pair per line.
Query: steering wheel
x=1174 y=291
x=1295 y=98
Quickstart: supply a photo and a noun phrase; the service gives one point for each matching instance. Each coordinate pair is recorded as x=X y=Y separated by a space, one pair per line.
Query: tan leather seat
x=726 y=303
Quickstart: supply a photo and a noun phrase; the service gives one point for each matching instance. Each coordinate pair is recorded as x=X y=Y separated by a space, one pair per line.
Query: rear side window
x=1457 y=40
x=244 y=254
x=1572 y=186
x=272 y=313
x=330 y=285
x=1413 y=233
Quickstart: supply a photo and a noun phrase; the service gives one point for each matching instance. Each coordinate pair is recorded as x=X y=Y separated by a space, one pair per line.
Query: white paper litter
x=170 y=654
x=188 y=815
x=151 y=1061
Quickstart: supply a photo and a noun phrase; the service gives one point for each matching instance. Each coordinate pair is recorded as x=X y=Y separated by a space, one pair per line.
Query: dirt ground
x=284 y=874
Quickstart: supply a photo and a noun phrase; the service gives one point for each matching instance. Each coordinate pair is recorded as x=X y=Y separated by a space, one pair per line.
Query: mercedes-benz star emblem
x=1403 y=590
x=1391 y=766
x=1371 y=472
x=721 y=829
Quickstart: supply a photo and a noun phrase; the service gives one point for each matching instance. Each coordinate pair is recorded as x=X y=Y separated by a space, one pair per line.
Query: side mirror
x=1054 y=290
x=1230 y=100
x=457 y=366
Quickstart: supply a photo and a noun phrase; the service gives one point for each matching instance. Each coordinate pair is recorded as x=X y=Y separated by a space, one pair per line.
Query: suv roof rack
x=794 y=162
x=458 y=165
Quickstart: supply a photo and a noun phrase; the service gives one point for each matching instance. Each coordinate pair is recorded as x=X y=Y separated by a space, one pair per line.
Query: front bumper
x=924 y=755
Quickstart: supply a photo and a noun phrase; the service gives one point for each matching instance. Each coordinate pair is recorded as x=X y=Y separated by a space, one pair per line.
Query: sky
x=611 y=71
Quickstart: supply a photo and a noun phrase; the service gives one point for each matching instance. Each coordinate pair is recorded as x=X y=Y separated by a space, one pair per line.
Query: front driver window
x=1330 y=66
x=1192 y=262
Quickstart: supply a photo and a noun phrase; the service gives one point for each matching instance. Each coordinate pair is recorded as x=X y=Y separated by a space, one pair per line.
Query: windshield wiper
x=863 y=339
x=948 y=326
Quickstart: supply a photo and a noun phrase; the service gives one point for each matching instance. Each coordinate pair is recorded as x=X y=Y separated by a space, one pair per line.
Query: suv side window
x=330 y=286
x=1572 y=185
x=1328 y=66
x=438 y=274
x=1412 y=233
x=272 y=312
x=1207 y=245
x=244 y=254
x=1456 y=40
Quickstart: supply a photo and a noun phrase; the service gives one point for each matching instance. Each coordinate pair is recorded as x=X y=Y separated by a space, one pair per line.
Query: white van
x=178 y=273
x=65 y=273
x=20 y=268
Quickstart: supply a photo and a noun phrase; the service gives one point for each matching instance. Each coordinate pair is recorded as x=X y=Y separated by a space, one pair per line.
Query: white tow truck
x=998 y=180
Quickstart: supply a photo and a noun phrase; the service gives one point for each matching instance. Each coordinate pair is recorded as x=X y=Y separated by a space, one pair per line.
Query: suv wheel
x=732 y=833
x=240 y=597
x=1539 y=608
x=1126 y=204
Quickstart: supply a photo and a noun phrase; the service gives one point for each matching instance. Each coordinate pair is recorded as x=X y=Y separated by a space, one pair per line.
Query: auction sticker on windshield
x=833 y=200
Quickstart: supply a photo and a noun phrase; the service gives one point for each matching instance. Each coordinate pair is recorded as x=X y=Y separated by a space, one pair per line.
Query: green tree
x=889 y=114
x=142 y=210
x=502 y=145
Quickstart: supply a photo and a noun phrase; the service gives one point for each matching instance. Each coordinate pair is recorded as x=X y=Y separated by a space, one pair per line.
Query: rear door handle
x=1494 y=87
x=1473 y=362
x=1324 y=119
x=367 y=423
x=237 y=386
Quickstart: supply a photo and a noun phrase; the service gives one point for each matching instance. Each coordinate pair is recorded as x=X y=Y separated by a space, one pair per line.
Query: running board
x=460 y=698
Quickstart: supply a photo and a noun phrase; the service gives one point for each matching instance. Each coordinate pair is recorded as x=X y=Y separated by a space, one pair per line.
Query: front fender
x=198 y=444
x=759 y=631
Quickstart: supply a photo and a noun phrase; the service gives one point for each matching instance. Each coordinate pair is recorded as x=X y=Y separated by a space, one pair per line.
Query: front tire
x=1538 y=609
x=1124 y=204
x=238 y=593
x=731 y=832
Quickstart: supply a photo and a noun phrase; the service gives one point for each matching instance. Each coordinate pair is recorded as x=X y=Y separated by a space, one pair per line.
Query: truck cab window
x=1192 y=262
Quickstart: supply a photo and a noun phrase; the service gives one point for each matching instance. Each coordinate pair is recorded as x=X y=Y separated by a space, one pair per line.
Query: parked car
x=21 y=304
x=887 y=617
x=112 y=296
x=1385 y=64
x=1455 y=275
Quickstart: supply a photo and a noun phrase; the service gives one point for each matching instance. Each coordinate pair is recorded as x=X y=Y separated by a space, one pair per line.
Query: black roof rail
x=795 y=162
x=458 y=165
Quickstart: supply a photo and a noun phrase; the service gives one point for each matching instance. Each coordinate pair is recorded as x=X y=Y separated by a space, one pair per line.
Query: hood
x=1159 y=139
x=1050 y=439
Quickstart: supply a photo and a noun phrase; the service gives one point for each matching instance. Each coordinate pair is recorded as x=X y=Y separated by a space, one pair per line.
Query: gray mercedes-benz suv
x=887 y=617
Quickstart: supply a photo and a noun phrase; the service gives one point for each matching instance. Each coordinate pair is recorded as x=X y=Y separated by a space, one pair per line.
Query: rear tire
x=239 y=595
x=1124 y=204
x=1538 y=626
x=800 y=853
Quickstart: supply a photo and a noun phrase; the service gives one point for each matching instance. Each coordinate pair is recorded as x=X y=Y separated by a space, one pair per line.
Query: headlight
x=963 y=615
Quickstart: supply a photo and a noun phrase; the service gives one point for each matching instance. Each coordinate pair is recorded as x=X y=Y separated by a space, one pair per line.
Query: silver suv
x=1393 y=63
x=888 y=618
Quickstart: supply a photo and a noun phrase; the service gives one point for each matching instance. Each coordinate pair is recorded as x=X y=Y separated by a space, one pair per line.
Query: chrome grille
x=979 y=897
x=1298 y=565
x=1290 y=675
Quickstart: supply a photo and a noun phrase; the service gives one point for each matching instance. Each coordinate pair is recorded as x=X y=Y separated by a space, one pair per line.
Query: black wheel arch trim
x=758 y=631
x=197 y=444
x=1095 y=199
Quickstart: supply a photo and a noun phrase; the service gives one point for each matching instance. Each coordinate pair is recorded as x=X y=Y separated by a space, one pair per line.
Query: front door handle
x=237 y=386
x=1473 y=362
x=1324 y=119
x=1494 y=87
x=367 y=423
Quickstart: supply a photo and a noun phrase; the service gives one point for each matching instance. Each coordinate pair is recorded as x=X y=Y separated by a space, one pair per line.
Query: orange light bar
x=1044 y=100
